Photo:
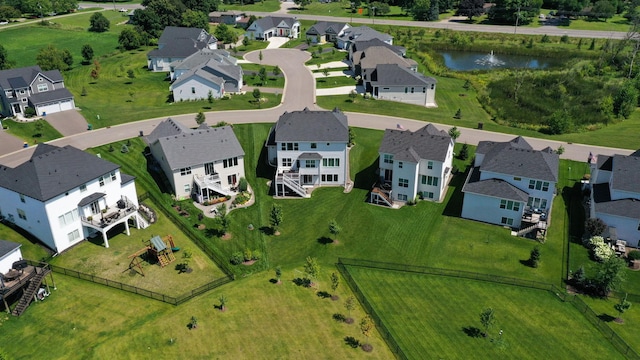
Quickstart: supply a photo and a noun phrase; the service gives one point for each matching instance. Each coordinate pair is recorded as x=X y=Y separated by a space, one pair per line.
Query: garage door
x=49 y=109
x=66 y=105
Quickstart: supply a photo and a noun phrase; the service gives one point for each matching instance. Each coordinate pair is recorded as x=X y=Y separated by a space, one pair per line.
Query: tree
x=224 y=33
x=210 y=97
x=513 y=12
x=98 y=22
x=257 y=95
x=129 y=39
x=609 y=276
x=335 y=282
x=559 y=122
x=4 y=60
x=223 y=302
x=622 y=306
x=276 y=218
x=487 y=319
x=131 y=74
x=379 y=8
x=50 y=58
x=603 y=9
x=276 y=71
x=534 y=257
x=334 y=228
x=353 y=95
x=278 y=274
x=195 y=19
x=224 y=219
x=595 y=226
x=200 y=118
x=39 y=126
x=8 y=12
x=302 y=3
x=325 y=72
x=470 y=8
x=420 y=10
x=454 y=133
x=262 y=74
x=625 y=100
x=366 y=326
x=350 y=304
x=464 y=152
x=186 y=260
x=312 y=268
x=560 y=150
x=87 y=53
x=205 y=6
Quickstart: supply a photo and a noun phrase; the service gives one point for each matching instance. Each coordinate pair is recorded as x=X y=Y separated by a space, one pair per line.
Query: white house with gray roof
x=178 y=43
x=413 y=164
x=203 y=163
x=9 y=253
x=323 y=32
x=361 y=33
x=211 y=77
x=511 y=184
x=270 y=26
x=615 y=194
x=63 y=195
x=31 y=87
x=309 y=149
x=399 y=83
x=179 y=67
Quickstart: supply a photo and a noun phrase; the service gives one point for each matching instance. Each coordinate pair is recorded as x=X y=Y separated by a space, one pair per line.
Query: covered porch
x=209 y=187
x=120 y=213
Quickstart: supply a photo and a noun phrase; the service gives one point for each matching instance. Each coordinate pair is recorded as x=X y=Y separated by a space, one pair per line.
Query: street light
x=374 y=14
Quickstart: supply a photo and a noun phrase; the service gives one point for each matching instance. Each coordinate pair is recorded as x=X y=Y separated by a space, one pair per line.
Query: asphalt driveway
x=68 y=122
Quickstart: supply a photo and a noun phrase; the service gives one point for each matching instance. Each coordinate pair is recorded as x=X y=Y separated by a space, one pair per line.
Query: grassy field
x=334 y=81
x=606 y=311
x=262 y=6
x=90 y=257
x=534 y=322
x=343 y=9
x=27 y=131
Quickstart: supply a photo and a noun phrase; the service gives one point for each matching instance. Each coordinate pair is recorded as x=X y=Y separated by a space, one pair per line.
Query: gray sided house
x=229 y=17
x=179 y=67
x=270 y=26
x=309 y=149
x=358 y=50
x=397 y=83
x=31 y=87
x=361 y=33
x=203 y=163
x=511 y=184
x=413 y=164
x=178 y=43
x=364 y=62
x=326 y=31
x=211 y=77
x=615 y=194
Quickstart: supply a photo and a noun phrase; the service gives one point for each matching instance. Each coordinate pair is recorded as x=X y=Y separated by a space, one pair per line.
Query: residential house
x=413 y=164
x=178 y=43
x=229 y=17
x=615 y=194
x=309 y=149
x=179 y=67
x=31 y=87
x=361 y=33
x=511 y=184
x=211 y=78
x=269 y=26
x=398 y=83
x=63 y=195
x=323 y=32
x=204 y=163
x=368 y=48
x=9 y=253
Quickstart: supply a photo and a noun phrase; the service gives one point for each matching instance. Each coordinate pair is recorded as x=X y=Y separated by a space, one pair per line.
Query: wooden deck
x=11 y=286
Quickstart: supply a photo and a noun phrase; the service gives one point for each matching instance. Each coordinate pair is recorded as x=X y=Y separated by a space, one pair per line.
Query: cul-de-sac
x=319 y=179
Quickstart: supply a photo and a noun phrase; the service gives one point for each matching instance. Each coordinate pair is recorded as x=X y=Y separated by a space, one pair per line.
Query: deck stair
x=293 y=182
x=29 y=293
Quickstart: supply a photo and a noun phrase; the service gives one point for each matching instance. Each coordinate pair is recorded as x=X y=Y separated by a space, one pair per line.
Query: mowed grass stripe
x=436 y=310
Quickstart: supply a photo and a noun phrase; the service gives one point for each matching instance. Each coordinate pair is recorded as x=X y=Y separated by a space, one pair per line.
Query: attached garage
x=52 y=101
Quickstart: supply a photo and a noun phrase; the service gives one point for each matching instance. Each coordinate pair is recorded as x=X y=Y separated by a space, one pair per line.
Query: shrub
x=237 y=258
x=241 y=198
x=339 y=317
x=124 y=149
x=256 y=255
x=248 y=255
x=601 y=251
x=633 y=255
x=29 y=112
x=595 y=226
x=545 y=39
x=243 y=185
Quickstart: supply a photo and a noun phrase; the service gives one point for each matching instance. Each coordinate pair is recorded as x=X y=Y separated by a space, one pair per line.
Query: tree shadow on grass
x=323 y=240
x=606 y=317
x=472 y=331
x=267 y=230
x=302 y=282
x=323 y=294
x=527 y=263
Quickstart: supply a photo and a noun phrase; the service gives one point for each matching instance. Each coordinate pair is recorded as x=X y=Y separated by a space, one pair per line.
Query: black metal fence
x=600 y=324
x=139 y=291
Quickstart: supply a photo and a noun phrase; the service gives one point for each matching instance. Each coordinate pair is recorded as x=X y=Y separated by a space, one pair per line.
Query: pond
x=467 y=60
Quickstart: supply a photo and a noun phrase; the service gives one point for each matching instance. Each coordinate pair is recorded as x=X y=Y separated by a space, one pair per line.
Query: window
x=209 y=169
x=314 y=145
x=74 y=235
x=506 y=221
x=403 y=182
x=509 y=205
x=40 y=79
x=429 y=180
x=22 y=198
x=101 y=181
x=424 y=90
x=539 y=185
x=309 y=163
x=433 y=86
x=331 y=162
x=68 y=218
x=185 y=171
x=286 y=162
x=517 y=179
x=187 y=188
x=83 y=187
x=42 y=87
x=427 y=195
x=406 y=90
x=193 y=90
x=387 y=159
x=430 y=165
x=545 y=186
x=400 y=164
x=24 y=100
x=412 y=90
x=21 y=214
x=402 y=197
x=113 y=176
x=289 y=146
x=329 y=177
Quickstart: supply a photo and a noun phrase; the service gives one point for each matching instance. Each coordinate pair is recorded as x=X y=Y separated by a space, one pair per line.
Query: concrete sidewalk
x=330 y=65
x=319 y=75
x=342 y=90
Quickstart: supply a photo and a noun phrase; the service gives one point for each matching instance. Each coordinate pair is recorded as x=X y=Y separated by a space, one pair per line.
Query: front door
x=16 y=109
x=307 y=179
x=232 y=179
x=388 y=175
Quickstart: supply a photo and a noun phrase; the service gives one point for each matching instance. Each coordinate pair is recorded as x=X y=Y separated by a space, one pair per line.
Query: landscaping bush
x=595 y=226
x=241 y=198
x=601 y=251
x=339 y=317
x=248 y=254
x=243 y=185
x=237 y=258
x=633 y=255
x=256 y=255
x=29 y=112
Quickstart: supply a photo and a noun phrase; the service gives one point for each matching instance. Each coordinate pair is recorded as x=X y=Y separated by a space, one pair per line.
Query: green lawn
x=606 y=311
x=28 y=132
x=272 y=81
x=342 y=9
x=261 y=6
x=433 y=315
x=334 y=81
x=31 y=248
x=80 y=22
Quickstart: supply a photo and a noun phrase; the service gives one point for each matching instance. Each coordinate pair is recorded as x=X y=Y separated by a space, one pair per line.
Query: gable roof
x=204 y=55
x=375 y=55
x=426 y=143
x=52 y=95
x=185 y=147
x=308 y=125
x=392 y=74
x=181 y=42
x=363 y=45
x=517 y=158
x=626 y=173
x=629 y=208
x=52 y=171
x=497 y=188
x=269 y=22
x=326 y=27
x=364 y=33
x=7 y=247
x=22 y=77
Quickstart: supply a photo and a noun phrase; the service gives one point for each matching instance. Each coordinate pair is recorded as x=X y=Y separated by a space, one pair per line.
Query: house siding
x=626 y=228
x=327 y=150
x=397 y=93
x=6 y=263
x=523 y=185
x=183 y=91
x=487 y=209
x=180 y=181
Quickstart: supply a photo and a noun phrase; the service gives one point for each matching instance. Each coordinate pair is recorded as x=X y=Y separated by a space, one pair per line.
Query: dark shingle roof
x=516 y=158
x=375 y=55
x=17 y=83
x=48 y=96
x=166 y=128
x=195 y=147
x=54 y=171
x=125 y=178
x=203 y=56
x=7 y=247
x=181 y=42
x=91 y=198
x=364 y=33
x=427 y=143
x=626 y=173
x=605 y=162
x=485 y=146
x=307 y=125
x=629 y=208
x=324 y=27
x=269 y=22
x=22 y=77
x=392 y=74
x=493 y=187
x=365 y=44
